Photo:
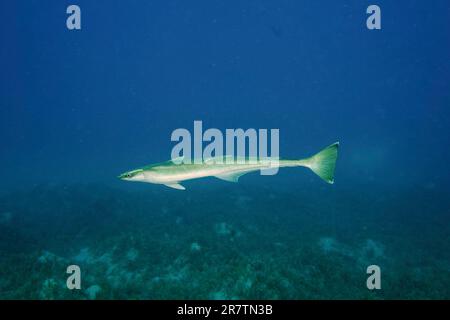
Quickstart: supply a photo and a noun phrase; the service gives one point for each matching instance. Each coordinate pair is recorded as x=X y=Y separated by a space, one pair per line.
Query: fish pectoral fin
x=175 y=186
x=231 y=177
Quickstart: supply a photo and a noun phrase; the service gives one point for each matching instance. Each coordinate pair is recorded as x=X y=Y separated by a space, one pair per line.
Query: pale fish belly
x=209 y=171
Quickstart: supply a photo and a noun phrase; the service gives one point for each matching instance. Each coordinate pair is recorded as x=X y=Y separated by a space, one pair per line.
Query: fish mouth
x=129 y=174
x=122 y=176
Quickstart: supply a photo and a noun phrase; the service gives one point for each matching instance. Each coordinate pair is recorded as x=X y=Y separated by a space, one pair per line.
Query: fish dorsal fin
x=231 y=177
x=177 y=160
x=228 y=158
x=175 y=186
x=219 y=160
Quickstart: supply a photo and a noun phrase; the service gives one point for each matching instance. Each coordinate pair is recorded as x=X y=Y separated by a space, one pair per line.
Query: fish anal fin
x=175 y=186
x=231 y=177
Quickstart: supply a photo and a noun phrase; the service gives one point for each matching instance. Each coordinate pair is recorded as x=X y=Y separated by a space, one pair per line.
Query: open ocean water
x=79 y=107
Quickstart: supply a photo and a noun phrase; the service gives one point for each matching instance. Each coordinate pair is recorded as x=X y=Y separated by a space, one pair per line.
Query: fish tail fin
x=324 y=162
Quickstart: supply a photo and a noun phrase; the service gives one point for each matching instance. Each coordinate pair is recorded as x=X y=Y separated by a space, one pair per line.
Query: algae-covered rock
x=93 y=291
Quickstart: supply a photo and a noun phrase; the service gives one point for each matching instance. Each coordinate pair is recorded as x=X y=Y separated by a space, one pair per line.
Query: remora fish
x=172 y=172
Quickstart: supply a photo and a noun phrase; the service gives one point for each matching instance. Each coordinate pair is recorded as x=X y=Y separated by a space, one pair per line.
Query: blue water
x=79 y=107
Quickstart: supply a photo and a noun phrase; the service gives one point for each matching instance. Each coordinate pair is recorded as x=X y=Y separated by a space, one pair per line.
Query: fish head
x=133 y=175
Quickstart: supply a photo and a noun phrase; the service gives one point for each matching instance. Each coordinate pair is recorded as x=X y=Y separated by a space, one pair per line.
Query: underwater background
x=79 y=107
